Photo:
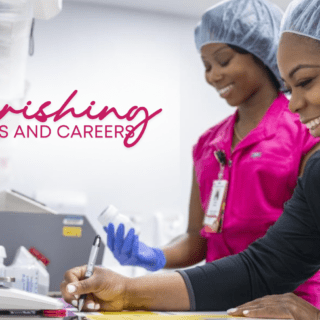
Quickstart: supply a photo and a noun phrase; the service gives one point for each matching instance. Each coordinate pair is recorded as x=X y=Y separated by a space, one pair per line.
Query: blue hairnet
x=253 y=25
x=302 y=17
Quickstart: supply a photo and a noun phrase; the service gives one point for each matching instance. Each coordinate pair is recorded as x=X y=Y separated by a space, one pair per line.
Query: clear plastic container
x=15 y=25
x=30 y=274
x=112 y=214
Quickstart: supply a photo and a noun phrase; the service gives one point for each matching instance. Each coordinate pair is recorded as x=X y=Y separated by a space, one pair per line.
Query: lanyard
x=222 y=159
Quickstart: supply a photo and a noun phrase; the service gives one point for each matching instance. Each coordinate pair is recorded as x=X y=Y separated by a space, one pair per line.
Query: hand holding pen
x=106 y=290
x=91 y=263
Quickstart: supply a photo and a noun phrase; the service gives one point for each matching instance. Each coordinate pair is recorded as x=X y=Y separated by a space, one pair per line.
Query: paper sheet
x=140 y=315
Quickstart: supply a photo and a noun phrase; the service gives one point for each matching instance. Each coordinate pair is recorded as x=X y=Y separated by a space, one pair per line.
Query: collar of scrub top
x=266 y=129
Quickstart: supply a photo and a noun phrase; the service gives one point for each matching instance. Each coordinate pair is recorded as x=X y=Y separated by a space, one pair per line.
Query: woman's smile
x=298 y=59
x=313 y=126
x=225 y=91
x=237 y=77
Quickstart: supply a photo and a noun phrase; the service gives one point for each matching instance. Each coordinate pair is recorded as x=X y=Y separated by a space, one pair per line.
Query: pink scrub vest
x=262 y=172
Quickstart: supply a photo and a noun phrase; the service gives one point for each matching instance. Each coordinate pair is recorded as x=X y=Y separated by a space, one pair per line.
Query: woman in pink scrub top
x=258 y=150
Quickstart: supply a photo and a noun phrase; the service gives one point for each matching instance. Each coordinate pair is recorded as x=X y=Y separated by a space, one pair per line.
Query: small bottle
x=112 y=214
x=42 y=262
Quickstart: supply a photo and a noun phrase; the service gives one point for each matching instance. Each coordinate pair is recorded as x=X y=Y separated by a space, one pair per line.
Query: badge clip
x=215 y=211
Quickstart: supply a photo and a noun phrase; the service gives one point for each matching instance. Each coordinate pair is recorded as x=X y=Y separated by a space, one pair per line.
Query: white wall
x=118 y=58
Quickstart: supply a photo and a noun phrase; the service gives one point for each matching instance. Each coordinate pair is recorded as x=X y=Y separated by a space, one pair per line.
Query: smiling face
x=299 y=64
x=237 y=77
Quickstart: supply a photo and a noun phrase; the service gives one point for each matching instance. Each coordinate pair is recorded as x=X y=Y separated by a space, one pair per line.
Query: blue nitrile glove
x=131 y=252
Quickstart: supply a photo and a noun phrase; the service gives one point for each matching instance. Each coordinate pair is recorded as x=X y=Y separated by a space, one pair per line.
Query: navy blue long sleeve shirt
x=279 y=262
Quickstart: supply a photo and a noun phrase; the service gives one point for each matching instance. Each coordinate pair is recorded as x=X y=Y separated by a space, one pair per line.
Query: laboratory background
x=119 y=54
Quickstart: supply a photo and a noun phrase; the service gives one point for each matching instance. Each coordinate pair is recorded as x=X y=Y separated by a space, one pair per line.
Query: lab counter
x=139 y=315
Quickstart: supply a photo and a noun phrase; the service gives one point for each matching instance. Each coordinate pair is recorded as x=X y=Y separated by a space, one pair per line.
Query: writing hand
x=105 y=289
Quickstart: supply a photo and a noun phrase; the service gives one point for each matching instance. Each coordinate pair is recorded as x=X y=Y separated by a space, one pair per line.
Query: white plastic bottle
x=112 y=214
x=30 y=275
x=43 y=279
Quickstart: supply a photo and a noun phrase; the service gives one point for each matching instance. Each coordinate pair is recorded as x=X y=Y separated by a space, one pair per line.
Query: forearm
x=278 y=263
x=157 y=292
x=185 y=250
x=219 y=285
x=258 y=271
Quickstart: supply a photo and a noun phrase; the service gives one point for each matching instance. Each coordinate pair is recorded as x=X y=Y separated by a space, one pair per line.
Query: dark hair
x=271 y=75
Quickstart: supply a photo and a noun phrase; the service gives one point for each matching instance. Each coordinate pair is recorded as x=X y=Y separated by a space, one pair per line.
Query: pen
x=92 y=260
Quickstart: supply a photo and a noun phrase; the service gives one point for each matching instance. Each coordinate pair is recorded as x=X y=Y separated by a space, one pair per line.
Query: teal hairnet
x=302 y=17
x=253 y=25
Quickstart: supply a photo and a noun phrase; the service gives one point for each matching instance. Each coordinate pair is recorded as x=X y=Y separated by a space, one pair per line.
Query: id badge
x=214 y=215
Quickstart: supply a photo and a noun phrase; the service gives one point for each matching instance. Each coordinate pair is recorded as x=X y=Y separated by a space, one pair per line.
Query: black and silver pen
x=91 y=263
